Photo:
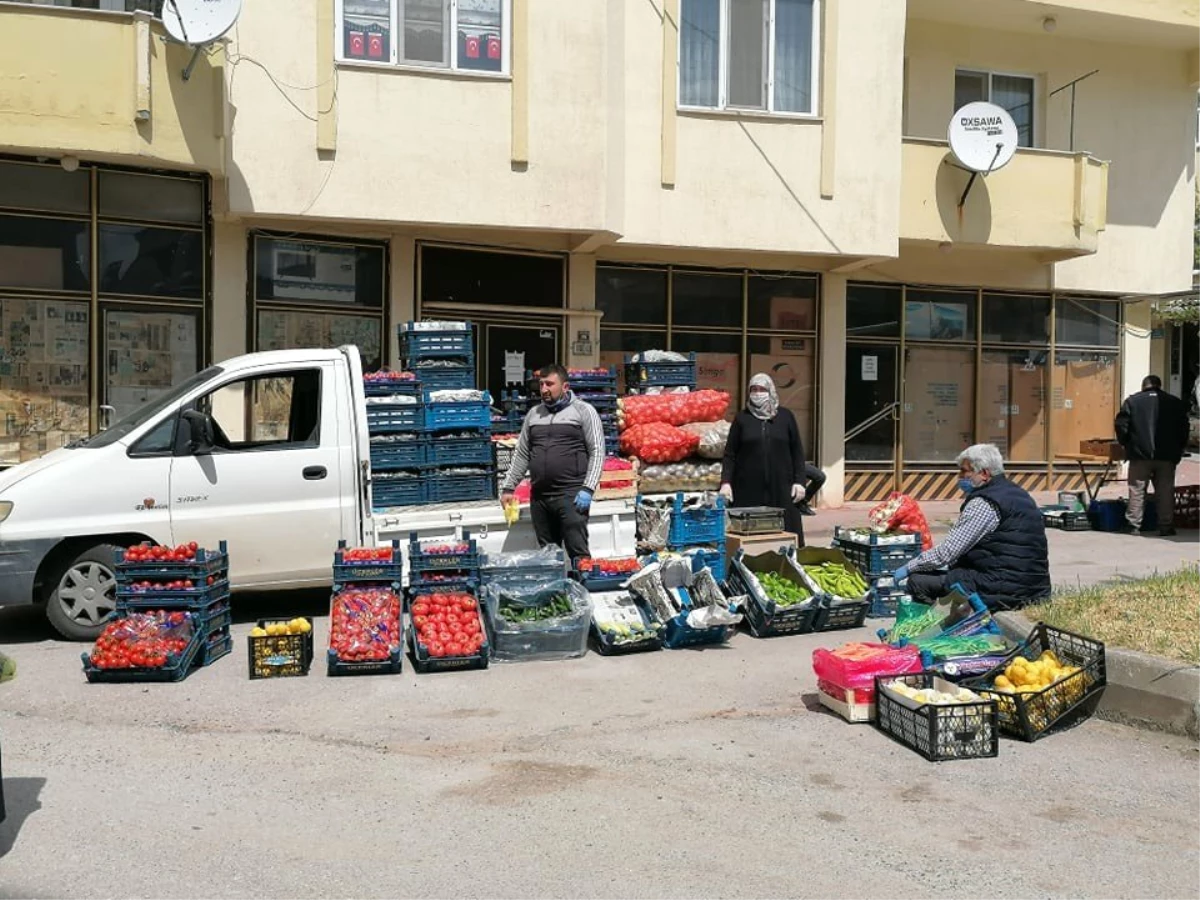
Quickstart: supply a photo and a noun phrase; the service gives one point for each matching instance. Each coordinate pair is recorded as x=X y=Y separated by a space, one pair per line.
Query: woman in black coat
x=764 y=456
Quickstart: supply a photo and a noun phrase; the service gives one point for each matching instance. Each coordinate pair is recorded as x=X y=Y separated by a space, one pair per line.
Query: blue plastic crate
x=399 y=492
x=395 y=455
x=660 y=374
x=464 y=558
x=396 y=387
x=206 y=563
x=429 y=344
x=449 y=416
x=602 y=403
x=448 y=378
x=680 y=634
x=581 y=380
x=388 y=571
x=387 y=418
x=712 y=558
x=878 y=555
x=459 y=451
x=177 y=668
x=697 y=525
x=885 y=598
x=462 y=488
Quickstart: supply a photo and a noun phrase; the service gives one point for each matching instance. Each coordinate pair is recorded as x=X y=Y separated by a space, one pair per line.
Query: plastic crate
x=177 y=668
x=389 y=666
x=464 y=416
x=448 y=378
x=207 y=562
x=1032 y=716
x=281 y=655
x=430 y=344
x=1187 y=506
x=389 y=418
x=938 y=732
x=584 y=380
x=885 y=598
x=425 y=663
x=697 y=525
x=461 y=451
x=197 y=598
x=763 y=617
x=879 y=554
x=215 y=647
x=388 y=571
x=399 y=492
x=607 y=644
x=398 y=387
x=462 y=488
x=604 y=404
x=1065 y=519
x=504 y=458
x=679 y=634
x=398 y=455
x=660 y=374
x=599 y=583
x=711 y=558
x=834 y=616
x=420 y=559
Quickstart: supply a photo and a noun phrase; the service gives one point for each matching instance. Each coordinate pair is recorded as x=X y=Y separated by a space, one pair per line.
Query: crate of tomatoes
x=440 y=555
x=153 y=646
x=185 y=562
x=606 y=574
x=365 y=632
x=448 y=631
x=352 y=565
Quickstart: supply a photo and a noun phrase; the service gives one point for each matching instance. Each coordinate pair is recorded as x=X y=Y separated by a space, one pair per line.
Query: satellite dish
x=983 y=137
x=199 y=22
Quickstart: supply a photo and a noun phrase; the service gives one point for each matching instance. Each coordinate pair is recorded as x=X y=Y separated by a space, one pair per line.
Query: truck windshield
x=148 y=411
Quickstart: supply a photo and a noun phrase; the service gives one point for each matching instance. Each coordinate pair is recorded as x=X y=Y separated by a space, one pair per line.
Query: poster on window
x=324 y=273
x=928 y=321
x=145 y=353
x=279 y=330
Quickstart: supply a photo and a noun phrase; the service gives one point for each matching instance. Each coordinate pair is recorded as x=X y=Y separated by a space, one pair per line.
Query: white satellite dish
x=199 y=22
x=983 y=137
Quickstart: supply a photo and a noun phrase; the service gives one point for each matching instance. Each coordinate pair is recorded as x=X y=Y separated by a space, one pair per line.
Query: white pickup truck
x=268 y=451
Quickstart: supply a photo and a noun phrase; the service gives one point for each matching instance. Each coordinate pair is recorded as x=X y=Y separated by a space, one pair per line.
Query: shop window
x=706 y=299
x=464 y=35
x=1013 y=403
x=151 y=262
x=46 y=254
x=1013 y=319
x=748 y=54
x=268 y=412
x=319 y=272
x=490 y=278
x=939 y=315
x=145 y=352
x=871 y=397
x=46 y=188
x=1014 y=93
x=718 y=361
x=43 y=376
x=873 y=310
x=781 y=304
x=1086 y=322
x=630 y=296
x=939 y=403
x=791 y=363
x=1083 y=400
x=293 y=330
x=152 y=198
x=616 y=344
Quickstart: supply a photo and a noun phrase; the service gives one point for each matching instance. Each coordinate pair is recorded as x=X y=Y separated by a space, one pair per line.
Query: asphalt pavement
x=671 y=774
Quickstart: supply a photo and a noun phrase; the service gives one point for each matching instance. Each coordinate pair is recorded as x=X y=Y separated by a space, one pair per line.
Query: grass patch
x=1159 y=615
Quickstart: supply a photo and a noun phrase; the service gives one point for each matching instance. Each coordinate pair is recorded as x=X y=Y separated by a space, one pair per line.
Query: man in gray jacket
x=562 y=449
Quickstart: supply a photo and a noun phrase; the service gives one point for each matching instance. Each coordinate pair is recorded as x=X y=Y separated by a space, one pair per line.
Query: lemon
x=1002 y=682
x=258 y=632
x=305 y=626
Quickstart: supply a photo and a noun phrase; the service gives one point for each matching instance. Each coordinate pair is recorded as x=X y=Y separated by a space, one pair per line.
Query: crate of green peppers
x=538 y=620
x=778 y=601
x=845 y=596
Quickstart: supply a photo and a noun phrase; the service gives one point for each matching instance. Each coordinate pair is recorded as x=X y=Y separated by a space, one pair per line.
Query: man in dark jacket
x=1152 y=426
x=997 y=548
x=562 y=448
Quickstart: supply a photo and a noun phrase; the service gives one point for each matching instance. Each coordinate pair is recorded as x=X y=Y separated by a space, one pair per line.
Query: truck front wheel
x=84 y=594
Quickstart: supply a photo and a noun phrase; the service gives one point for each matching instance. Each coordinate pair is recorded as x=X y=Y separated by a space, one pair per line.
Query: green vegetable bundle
x=837 y=578
x=782 y=591
x=550 y=607
x=913 y=620
x=944 y=646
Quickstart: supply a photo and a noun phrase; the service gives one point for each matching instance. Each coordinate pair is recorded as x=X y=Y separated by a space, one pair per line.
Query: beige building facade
x=765 y=183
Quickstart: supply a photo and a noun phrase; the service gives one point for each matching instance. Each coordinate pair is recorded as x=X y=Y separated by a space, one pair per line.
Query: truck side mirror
x=201 y=432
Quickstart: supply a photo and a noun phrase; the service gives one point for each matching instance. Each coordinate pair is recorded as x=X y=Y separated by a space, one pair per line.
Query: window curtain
x=793 y=56
x=1016 y=95
x=699 y=48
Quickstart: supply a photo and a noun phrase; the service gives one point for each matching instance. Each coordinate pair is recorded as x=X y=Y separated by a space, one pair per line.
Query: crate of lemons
x=1032 y=694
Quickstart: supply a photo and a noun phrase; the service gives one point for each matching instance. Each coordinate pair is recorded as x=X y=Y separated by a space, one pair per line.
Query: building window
x=154 y=7
x=749 y=54
x=1014 y=93
x=310 y=292
x=459 y=35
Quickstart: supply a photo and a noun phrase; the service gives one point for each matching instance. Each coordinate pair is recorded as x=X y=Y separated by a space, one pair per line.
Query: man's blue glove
x=583 y=500
x=901 y=574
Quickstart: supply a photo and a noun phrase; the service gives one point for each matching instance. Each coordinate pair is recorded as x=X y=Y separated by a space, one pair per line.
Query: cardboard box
x=754 y=544
x=1108 y=449
x=847 y=706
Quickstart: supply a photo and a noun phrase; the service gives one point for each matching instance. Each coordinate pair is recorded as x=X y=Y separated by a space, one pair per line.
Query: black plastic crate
x=280 y=655
x=885 y=598
x=191 y=599
x=178 y=666
x=938 y=732
x=582 y=379
x=1065 y=519
x=607 y=644
x=206 y=563
x=389 y=666
x=424 y=662
x=763 y=617
x=388 y=571
x=833 y=616
x=1064 y=703
x=216 y=647
x=455 y=555
x=660 y=374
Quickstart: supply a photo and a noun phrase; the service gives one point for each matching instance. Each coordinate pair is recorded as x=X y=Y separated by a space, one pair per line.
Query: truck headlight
x=6 y=508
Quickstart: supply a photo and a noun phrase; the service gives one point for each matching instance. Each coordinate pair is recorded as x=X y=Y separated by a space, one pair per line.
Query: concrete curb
x=1143 y=690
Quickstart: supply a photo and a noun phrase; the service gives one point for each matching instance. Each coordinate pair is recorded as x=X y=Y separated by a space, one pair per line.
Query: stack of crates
x=599 y=388
x=199 y=586
x=700 y=528
x=641 y=376
x=878 y=556
x=395 y=419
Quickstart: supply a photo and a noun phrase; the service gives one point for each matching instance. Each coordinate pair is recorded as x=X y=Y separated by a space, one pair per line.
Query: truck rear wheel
x=84 y=595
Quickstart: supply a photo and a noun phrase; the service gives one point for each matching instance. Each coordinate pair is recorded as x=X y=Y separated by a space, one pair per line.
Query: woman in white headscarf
x=764 y=456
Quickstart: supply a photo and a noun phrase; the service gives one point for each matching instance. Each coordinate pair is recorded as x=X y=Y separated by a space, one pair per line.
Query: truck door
x=271 y=485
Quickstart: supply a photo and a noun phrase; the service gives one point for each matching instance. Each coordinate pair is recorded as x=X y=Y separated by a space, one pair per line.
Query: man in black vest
x=1153 y=428
x=997 y=548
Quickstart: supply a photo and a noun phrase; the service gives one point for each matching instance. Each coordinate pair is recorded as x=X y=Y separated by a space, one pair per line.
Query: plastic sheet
x=855 y=665
x=520 y=631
